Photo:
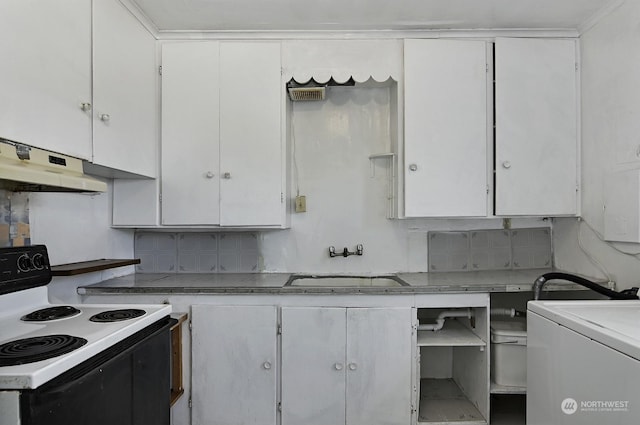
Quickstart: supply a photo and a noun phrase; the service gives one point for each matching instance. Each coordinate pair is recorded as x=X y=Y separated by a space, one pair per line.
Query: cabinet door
x=190 y=127
x=536 y=127
x=445 y=159
x=379 y=366
x=234 y=364
x=313 y=366
x=46 y=74
x=125 y=129
x=251 y=90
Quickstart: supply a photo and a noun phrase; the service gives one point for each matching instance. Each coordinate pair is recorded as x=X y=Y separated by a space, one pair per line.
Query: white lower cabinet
x=234 y=365
x=346 y=366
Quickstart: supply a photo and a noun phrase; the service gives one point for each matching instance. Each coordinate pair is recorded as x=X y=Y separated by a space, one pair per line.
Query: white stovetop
x=613 y=323
x=99 y=336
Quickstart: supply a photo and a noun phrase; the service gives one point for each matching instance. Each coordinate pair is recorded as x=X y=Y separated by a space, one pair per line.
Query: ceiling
x=345 y=15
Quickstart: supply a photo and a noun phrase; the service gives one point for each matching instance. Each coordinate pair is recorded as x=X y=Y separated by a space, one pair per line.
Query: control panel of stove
x=23 y=267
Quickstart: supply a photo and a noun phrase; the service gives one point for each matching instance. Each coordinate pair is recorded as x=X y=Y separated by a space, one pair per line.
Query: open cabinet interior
x=453 y=367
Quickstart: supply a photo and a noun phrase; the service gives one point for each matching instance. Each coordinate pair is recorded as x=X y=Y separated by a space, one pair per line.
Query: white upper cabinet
x=190 y=133
x=46 y=74
x=125 y=72
x=222 y=140
x=445 y=140
x=251 y=160
x=536 y=127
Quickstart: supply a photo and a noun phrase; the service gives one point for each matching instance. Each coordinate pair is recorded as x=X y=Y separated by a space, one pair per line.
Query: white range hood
x=27 y=169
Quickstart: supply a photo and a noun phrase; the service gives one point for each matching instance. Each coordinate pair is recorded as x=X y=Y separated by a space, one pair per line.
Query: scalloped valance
x=362 y=60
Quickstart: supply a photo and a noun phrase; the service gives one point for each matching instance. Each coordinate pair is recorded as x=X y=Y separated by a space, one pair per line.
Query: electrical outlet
x=301 y=204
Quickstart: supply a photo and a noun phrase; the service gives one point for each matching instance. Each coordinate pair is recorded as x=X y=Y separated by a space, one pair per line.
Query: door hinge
x=281 y=197
x=576 y=66
x=279 y=406
x=160 y=70
x=190 y=403
x=486 y=67
x=160 y=198
x=279 y=330
x=190 y=326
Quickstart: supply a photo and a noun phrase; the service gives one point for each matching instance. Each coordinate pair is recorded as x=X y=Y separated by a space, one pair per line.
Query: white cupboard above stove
x=46 y=75
x=222 y=139
x=125 y=111
x=51 y=100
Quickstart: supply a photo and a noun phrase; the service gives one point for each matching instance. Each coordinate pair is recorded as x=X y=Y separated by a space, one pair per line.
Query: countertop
x=274 y=283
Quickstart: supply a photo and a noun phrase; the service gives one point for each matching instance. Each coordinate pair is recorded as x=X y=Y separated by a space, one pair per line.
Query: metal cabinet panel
x=234 y=365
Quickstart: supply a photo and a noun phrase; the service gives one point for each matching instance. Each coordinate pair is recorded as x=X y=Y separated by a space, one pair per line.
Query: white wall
x=347 y=193
x=76 y=227
x=610 y=137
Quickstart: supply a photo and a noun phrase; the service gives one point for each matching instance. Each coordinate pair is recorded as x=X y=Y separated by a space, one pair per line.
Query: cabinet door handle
x=85 y=106
x=353 y=366
x=209 y=175
x=338 y=366
x=506 y=164
x=104 y=117
x=226 y=176
x=266 y=365
x=413 y=167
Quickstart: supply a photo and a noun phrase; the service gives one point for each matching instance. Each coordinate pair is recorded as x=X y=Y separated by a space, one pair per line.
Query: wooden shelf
x=453 y=334
x=176 y=357
x=72 y=269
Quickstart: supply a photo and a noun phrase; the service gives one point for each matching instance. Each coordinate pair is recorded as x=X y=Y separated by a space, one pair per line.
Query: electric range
x=42 y=344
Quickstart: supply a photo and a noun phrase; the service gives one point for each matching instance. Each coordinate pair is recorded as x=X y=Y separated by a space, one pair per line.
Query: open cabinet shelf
x=443 y=402
x=453 y=334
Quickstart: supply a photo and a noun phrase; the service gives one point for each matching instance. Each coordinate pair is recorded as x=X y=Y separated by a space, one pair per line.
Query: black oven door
x=127 y=384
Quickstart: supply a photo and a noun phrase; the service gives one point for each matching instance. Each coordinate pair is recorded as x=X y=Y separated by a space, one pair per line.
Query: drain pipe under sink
x=468 y=313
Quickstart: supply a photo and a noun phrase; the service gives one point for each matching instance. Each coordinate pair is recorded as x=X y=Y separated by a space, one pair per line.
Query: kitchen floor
x=508 y=409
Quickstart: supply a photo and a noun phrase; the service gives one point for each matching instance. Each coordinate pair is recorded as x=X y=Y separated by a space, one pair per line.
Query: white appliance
x=49 y=353
x=583 y=362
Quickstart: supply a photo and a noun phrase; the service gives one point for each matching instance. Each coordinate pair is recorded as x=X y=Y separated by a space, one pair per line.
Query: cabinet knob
x=266 y=365
x=85 y=107
x=209 y=175
x=338 y=366
x=413 y=167
x=226 y=176
x=506 y=164
x=104 y=117
x=353 y=366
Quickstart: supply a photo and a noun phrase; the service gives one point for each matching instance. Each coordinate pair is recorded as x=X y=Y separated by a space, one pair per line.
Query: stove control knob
x=24 y=263
x=38 y=261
